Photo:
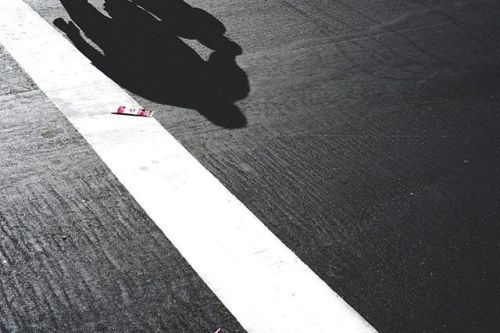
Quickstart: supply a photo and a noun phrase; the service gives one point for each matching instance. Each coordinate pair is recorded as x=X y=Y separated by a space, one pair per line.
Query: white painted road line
x=264 y=285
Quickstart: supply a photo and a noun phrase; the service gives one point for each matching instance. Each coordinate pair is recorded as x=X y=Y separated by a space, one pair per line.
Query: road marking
x=264 y=284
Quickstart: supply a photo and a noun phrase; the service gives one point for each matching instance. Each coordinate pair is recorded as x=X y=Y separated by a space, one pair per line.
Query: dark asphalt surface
x=370 y=147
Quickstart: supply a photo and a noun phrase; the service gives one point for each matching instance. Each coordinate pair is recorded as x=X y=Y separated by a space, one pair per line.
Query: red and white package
x=134 y=111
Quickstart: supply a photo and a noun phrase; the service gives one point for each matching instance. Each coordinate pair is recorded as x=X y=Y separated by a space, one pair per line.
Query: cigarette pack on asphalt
x=134 y=111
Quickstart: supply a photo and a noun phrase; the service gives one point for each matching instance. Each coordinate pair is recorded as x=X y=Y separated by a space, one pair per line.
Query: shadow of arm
x=74 y=35
x=92 y=22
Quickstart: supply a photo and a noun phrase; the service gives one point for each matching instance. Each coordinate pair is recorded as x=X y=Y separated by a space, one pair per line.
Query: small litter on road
x=218 y=330
x=134 y=111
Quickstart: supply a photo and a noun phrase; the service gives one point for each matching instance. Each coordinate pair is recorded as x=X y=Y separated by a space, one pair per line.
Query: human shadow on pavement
x=142 y=51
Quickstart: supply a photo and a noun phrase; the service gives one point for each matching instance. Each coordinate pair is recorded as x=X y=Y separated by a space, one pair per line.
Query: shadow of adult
x=140 y=49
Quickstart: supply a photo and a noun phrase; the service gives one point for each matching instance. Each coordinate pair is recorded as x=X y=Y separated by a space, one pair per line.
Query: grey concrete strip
x=77 y=253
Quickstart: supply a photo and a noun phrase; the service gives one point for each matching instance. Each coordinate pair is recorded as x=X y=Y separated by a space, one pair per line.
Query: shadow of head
x=140 y=49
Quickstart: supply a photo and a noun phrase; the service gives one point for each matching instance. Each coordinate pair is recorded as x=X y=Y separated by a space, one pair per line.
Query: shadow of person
x=140 y=49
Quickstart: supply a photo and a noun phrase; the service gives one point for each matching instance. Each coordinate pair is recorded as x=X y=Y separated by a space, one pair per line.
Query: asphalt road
x=364 y=134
